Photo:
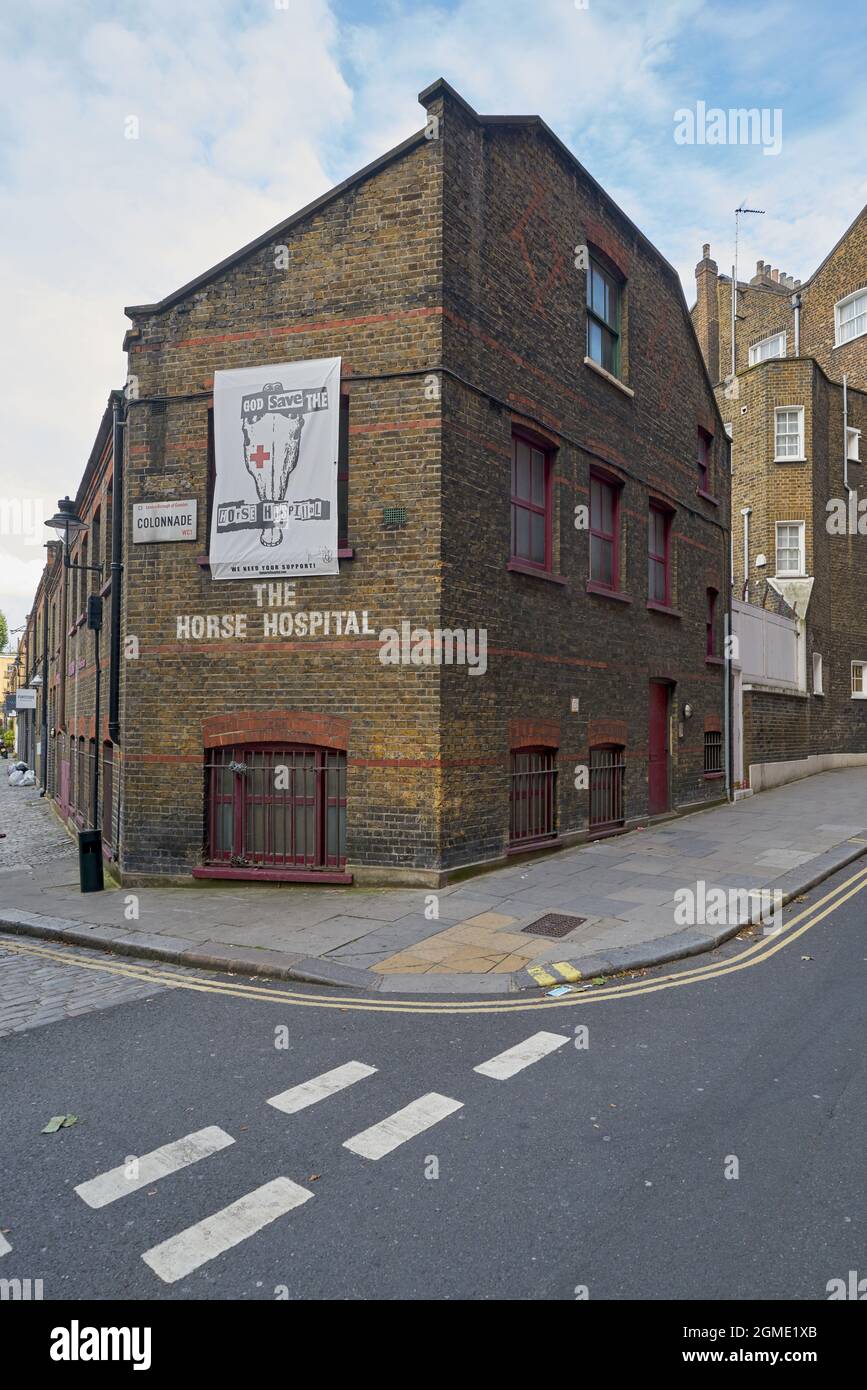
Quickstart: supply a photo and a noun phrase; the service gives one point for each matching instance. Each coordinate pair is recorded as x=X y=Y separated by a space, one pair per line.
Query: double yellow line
x=760 y=951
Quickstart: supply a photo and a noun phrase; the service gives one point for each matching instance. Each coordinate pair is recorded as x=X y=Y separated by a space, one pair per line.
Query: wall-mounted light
x=686 y=712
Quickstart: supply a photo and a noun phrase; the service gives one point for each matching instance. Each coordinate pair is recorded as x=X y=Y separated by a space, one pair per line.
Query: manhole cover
x=554 y=924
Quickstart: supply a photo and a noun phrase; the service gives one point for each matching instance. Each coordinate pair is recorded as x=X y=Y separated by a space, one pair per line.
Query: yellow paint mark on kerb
x=566 y=970
x=760 y=951
x=541 y=976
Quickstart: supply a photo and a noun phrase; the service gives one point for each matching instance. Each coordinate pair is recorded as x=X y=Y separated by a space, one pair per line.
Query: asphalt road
x=600 y=1167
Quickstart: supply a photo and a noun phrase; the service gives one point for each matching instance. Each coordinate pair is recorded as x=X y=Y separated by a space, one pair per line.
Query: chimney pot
x=775 y=276
x=705 y=250
x=796 y=285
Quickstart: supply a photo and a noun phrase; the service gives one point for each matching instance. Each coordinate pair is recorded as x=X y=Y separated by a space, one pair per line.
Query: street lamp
x=67 y=522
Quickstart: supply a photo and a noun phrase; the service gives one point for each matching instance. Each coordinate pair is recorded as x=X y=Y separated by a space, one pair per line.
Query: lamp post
x=67 y=522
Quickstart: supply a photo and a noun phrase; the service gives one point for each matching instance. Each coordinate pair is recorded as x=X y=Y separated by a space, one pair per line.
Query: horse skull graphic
x=272 y=440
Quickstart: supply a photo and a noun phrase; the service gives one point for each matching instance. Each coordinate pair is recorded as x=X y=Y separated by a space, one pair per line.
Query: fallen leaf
x=314 y=1177
x=59 y=1122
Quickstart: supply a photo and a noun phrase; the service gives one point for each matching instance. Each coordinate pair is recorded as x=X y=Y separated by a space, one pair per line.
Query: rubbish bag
x=28 y=779
x=17 y=778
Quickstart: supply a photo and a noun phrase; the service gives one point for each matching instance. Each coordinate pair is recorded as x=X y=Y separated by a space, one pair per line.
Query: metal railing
x=607 y=767
x=532 y=796
x=276 y=807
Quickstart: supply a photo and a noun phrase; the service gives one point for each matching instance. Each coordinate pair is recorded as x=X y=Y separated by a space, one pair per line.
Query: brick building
x=532 y=462
x=796 y=407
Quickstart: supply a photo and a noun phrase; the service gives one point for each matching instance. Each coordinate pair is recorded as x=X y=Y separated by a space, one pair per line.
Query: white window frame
x=853 y=441
x=799 y=573
x=818 y=688
x=755 y=355
x=841 y=304
x=800 y=456
x=861 y=694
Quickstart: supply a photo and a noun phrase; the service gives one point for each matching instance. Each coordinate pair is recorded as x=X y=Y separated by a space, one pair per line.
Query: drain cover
x=554 y=924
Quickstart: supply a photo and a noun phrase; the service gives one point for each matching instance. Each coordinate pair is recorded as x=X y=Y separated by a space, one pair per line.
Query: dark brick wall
x=514 y=334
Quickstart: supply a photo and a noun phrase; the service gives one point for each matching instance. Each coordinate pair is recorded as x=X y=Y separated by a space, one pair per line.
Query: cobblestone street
x=31 y=833
x=35 y=990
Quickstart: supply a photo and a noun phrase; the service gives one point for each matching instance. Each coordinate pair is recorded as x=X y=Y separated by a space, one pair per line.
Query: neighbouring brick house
x=59 y=648
x=530 y=450
x=796 y=483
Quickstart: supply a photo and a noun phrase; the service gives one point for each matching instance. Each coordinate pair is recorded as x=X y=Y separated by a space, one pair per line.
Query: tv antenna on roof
x=739 y=212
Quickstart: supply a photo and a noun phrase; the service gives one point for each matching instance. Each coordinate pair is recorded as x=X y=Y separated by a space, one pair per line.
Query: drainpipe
x=796 y=309
x=117 y=427
x=746 y=512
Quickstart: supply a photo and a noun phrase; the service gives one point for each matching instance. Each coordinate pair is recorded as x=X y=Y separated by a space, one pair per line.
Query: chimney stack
x=707 y=311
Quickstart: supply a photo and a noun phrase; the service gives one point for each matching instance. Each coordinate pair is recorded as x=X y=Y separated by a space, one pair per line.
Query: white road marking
x=108 y=1187
x=320 y=1087
x=515 y=1059
x=404 y=1124
x=178 y=1256
x=5 y=1247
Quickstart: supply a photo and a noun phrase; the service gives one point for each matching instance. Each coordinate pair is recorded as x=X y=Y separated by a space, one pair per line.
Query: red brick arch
x=600 y=731
x=276 y=726
x=534 y=733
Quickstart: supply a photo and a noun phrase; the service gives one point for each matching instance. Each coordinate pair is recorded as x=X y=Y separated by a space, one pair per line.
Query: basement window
x=532 y=795
x=859 y=681
x=713 y=752
x=276 y=808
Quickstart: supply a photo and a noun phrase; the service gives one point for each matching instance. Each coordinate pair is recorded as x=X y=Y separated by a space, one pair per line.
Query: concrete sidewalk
x=388 y=940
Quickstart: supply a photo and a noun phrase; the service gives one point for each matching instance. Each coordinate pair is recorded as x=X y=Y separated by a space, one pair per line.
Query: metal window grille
x=532 y=795
x=713 y=751
x=276 y=807
x=607 y=766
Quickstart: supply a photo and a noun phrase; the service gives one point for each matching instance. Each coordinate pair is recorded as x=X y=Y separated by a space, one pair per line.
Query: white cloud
x=247 y=112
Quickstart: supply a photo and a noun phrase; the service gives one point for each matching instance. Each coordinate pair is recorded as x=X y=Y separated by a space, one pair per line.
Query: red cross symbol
x=259 y=455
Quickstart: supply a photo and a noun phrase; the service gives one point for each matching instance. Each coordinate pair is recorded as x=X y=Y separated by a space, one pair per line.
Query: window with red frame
x=658 y=550
x=276 y=807
x=711 y=622
x=604 y=532
x=531 y=504
x=703 y=460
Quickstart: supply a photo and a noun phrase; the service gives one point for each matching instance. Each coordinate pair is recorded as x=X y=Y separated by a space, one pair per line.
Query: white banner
x=276 y=431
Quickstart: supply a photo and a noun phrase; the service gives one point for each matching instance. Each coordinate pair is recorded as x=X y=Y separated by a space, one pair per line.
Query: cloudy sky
x=247 y=109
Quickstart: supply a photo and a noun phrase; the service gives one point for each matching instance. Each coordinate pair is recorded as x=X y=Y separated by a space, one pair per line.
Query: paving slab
x=785 y=840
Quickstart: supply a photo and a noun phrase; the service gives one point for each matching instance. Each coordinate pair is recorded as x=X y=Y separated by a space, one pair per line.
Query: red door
x=658 y=750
